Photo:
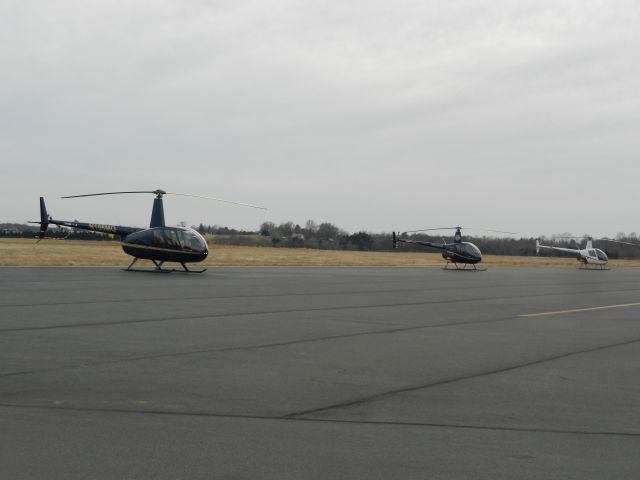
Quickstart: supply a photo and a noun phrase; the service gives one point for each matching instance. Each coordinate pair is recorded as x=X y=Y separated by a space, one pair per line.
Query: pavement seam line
x=271 y=312
x=316 y=420
x=224 y=297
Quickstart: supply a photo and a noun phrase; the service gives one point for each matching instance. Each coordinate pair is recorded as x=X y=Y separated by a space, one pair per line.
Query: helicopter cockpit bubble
x=169 y=238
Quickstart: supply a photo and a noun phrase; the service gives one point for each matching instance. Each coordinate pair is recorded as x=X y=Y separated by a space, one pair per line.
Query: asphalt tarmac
x=321 y=373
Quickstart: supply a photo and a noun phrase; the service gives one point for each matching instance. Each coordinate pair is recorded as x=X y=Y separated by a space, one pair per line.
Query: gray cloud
x=514 y=115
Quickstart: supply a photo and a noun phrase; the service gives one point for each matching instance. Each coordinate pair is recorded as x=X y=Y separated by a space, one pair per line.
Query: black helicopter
x=157 y=243
x=458 y=252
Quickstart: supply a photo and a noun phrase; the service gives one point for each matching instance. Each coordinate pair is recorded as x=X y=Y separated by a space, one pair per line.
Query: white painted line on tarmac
x=578 y=310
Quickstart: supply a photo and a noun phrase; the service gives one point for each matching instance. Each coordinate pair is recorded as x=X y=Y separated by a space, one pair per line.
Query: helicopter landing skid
x=464 y=269
x=594 y=267
x=159 y=268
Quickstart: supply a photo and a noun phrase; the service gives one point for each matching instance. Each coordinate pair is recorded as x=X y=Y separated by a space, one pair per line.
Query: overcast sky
x=374 y=115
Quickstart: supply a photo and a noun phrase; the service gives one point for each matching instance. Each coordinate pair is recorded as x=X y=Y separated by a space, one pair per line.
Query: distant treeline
x=330 y=237
x=16 y=230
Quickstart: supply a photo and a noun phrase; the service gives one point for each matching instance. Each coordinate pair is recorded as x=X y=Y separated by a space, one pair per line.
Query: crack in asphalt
x=413 y=388
x=255 y=347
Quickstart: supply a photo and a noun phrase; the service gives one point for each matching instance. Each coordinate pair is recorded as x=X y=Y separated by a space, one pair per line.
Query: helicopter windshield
x=470 y=249
x=191 y=240
x=601 y=255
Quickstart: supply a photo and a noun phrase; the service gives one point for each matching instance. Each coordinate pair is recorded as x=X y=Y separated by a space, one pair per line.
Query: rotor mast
x=457 y=238
x=157 y=214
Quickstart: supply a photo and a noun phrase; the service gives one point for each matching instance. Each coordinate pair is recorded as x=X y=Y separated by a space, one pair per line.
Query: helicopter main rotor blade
x=606 y=239
x=489 y=230
x=217 y=199
x=109 y=193
x=431 y=229
x=460 y=228
x=160 y=193
x=619 y=241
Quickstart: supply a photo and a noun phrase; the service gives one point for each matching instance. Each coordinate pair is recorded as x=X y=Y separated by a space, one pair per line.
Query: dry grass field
x=25 y=252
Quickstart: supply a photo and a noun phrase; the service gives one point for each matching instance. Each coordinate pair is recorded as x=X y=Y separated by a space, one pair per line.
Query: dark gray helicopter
x=157 y=243
x=458 y=252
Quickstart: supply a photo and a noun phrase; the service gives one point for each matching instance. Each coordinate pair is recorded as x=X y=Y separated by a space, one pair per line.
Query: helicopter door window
x=158 y=238
x=181 y=239
x=592 y=253
x=171 y=239
x=139 y=238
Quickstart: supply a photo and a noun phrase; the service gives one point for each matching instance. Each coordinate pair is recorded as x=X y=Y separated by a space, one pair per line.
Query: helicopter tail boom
x=46 y=220
x=397 y=239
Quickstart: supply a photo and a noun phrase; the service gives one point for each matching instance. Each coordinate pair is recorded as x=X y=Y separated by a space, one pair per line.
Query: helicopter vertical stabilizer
x=44 y=219
x=537 y=246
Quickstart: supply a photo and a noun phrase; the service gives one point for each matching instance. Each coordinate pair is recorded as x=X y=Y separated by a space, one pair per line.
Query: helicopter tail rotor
x=395 y=240
x=537 y=246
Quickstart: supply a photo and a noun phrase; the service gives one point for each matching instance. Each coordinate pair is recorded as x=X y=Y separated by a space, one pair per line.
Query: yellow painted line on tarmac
x=578 y=310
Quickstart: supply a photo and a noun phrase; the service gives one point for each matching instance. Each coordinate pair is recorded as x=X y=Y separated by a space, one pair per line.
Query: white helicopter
x=589 y=255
